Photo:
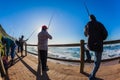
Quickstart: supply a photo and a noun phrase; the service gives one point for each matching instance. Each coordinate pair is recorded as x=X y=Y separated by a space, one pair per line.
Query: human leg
x=18 y=48
x=13 y=52
x=88 y=56
x=43 y=57
x=21 y=47
x=97 y=61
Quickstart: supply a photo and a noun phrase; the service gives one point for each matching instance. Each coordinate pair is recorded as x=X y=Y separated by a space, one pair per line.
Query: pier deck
x=25 y=68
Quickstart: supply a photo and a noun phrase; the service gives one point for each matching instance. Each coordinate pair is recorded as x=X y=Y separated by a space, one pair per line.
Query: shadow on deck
x=27 y=68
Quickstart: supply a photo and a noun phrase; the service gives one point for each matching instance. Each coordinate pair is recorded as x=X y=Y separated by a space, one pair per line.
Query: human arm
x=86 y=31
x=26 y=40
x=49 y=36
x=7 y=49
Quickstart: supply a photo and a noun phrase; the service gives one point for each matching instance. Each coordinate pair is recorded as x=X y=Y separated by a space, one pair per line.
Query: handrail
x=78 y=44
x=111 y=42
x=58 y=45
x=81 y=44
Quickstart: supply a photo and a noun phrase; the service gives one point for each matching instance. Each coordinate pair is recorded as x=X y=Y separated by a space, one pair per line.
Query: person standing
x=43 y=37
x=96 y=33
x=22 y=41
x=18 y=45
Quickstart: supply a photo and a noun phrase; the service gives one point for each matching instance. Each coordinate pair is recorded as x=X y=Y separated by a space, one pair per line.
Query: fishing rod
x=32 y=33
x=50 y=20
x=86 y=8
x=38 y=27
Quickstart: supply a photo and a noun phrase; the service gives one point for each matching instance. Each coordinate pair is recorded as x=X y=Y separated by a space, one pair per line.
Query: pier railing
x=82 y=47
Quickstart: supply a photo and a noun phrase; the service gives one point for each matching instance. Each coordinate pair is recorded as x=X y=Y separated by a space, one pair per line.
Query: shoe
x=92 y=77
x=12 y=62
x=88 y=60
x=46 y=69
x=22 y=56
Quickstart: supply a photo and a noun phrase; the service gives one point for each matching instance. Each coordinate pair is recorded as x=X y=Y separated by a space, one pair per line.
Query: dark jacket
x=9 y=44
x=96 y=33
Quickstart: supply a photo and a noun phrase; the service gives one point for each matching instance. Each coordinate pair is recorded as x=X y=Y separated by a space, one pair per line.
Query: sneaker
x=88 y=60
x=46 y=69
x=92 y=77
x=12 y=62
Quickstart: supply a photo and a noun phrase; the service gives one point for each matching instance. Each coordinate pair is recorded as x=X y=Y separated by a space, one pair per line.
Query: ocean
x=73 y=53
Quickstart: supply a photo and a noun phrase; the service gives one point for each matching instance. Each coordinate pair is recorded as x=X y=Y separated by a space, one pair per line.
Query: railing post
x=82 y=56
x=25 y=49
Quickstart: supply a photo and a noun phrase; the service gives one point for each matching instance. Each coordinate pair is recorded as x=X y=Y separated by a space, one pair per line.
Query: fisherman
x=9 y=44
x=96 y=33
x=22 y=41
x=18 y=44
x=43 y=37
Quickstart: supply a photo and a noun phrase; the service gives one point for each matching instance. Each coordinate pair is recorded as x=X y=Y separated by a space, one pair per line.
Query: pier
x=27 y=68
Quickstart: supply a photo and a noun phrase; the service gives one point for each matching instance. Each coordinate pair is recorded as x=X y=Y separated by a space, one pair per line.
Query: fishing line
x=33 y=32
x=39 y=27
x=50 y=20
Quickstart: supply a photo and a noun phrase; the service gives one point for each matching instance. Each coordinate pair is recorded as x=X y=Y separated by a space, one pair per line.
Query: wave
x=110 y=51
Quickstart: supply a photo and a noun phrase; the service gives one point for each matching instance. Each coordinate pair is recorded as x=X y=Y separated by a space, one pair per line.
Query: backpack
x=104 y=33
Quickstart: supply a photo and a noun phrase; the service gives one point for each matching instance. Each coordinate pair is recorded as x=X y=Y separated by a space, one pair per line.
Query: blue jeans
x=88 y=56
x=13 y=51
x=97 y=61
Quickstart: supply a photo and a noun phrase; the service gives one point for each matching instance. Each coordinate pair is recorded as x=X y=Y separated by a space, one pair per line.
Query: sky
x=23 y=17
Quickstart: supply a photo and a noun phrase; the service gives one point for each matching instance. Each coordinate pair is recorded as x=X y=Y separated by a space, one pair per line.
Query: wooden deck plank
x=26 y=69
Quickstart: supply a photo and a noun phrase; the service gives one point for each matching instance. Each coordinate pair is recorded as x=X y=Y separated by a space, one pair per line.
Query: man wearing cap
x=43 y=37
x=96 y=33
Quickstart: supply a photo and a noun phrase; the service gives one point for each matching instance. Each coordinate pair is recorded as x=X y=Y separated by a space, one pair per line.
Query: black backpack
x=104 y=32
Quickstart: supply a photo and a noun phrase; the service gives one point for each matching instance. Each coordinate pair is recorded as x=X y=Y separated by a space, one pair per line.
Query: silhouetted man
x=96 y=33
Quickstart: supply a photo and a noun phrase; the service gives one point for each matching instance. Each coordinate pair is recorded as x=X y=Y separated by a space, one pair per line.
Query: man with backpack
x=96 y=33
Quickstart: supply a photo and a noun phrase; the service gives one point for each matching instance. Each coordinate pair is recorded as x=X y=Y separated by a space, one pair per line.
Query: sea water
x=73 y=53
